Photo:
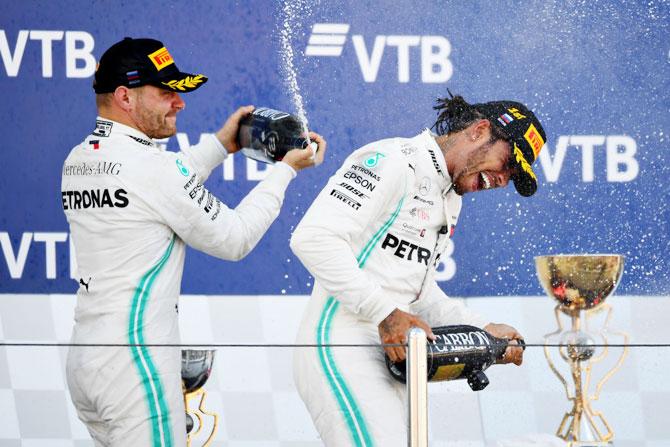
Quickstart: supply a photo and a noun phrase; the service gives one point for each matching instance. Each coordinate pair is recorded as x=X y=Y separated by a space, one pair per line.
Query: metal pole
x=417 y=388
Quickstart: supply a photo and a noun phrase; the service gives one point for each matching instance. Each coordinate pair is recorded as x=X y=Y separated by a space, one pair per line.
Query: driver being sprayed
x=372 y=240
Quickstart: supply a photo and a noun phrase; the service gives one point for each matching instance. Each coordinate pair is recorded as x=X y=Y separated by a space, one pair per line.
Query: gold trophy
x=201 y=424
x=581 y=284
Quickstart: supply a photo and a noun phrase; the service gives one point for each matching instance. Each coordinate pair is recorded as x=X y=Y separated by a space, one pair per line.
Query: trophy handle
x=622 y=357
x=198 y=414
x=591 y=418
x=547 y=354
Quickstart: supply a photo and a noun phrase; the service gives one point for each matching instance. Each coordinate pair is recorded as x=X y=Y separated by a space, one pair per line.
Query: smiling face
x=476 y=163
x=486 y=168
x=154 y=110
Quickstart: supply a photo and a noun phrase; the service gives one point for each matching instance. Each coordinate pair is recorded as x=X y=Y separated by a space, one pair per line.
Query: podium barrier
x=417 y=389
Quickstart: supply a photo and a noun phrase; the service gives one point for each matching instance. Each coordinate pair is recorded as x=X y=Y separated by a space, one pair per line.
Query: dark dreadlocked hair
x=455 y=114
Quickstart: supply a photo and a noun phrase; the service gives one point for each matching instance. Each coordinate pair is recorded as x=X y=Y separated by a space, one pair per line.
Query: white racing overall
x=132 y=209
x=372 y=239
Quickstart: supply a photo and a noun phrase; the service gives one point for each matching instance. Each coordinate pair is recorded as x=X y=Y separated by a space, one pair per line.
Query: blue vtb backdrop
x=598 y=69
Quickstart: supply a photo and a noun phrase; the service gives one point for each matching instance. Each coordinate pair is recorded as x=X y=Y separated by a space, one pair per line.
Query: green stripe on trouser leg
x=352 y=414
x=158 y=411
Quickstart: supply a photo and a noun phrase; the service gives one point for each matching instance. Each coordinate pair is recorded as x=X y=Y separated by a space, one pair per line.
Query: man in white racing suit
x=132 y=209
x=372 y=239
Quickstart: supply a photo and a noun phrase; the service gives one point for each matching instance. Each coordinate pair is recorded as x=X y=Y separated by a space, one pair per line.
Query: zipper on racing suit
x=440 y=245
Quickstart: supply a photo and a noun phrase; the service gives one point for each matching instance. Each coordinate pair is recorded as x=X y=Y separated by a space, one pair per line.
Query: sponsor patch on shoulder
x=373 y=160
x=102 y=128
x=408 y=149
x=354 y=190
x=182 y=169
x=345 y=198
x=364 y=171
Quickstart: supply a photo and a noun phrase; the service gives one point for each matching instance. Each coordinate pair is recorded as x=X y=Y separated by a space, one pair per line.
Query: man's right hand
x=393 y=330
x=304 y=158
x=227 y=135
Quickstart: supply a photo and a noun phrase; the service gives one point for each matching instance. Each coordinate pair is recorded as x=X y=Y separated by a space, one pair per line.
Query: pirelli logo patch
x=345 y=198
x=534 y=139
x=161 y=58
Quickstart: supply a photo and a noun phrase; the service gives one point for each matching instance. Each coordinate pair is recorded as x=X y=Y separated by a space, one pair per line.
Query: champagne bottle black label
x=459 y=352
x=266 y=135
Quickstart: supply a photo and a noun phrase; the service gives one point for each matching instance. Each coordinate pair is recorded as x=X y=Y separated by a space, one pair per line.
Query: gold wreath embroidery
x=183 y=84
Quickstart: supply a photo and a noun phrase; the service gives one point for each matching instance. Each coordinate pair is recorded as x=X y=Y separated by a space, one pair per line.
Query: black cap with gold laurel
x=137 y=62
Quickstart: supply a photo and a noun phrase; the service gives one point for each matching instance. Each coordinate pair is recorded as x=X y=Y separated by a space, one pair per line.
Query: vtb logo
x=328 y=39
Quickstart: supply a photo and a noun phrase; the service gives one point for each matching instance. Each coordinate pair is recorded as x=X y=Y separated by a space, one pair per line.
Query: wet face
x=154 y=110
x=486 y=166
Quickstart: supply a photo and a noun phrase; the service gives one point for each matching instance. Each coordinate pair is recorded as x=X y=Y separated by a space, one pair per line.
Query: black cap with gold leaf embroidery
x=526 y=137
x=137 y=62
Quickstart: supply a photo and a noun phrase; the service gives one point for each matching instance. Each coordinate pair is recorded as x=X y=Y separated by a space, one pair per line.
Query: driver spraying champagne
x=372 y=240
x=133 y=207
x=459 y=352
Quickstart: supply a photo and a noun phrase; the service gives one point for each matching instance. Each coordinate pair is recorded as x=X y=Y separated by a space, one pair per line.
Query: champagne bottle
x=458 y=352
x=266 y=135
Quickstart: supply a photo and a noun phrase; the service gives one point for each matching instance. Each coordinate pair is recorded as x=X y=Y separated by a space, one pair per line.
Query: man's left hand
x=513 y=354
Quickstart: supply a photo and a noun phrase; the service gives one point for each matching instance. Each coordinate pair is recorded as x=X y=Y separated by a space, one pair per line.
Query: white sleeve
x=363 y=191
x=203 y=221
x=205 y=156
x=437 y=309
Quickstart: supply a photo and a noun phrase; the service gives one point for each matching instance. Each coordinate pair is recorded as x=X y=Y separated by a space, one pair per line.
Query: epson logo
x=328 y=39
x=79 y=62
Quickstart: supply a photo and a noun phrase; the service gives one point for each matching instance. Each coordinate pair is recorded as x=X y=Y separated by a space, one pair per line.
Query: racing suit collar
x=428 y=139
x=112 y=127
x=451 y=202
